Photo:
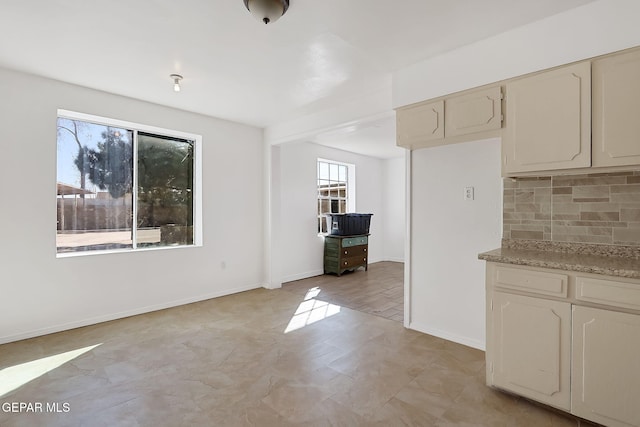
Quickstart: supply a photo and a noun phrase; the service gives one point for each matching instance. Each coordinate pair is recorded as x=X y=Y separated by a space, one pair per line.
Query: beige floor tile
x=377 y=291
x=234 y=361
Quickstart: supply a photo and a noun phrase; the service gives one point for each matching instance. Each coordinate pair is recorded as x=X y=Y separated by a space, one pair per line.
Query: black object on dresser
x=342 y=253
x=349 y=224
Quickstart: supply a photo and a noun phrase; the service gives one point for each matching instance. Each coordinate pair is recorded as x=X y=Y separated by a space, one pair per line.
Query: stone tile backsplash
x=594 y=208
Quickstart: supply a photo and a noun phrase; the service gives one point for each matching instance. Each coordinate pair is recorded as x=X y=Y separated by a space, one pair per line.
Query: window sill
x=121 y=251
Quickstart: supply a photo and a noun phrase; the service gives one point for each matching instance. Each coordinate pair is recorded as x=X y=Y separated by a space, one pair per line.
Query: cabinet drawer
x=353 y=261
x=354 y=241
x=609 y=292
x=537 y=282
x=354 y=251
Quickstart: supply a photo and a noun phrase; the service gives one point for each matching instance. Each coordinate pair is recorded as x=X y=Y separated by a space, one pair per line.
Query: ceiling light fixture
x=267 y=10
x=176 y=81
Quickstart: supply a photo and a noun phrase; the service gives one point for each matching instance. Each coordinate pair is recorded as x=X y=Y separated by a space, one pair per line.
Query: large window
x=335 y=190
x=124 y=186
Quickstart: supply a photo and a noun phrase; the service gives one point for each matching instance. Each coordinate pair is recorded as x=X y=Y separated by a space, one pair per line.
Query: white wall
x=300 y=246
x=448 y=232
x=393 y=208
x=41 y=293
x=593 y=29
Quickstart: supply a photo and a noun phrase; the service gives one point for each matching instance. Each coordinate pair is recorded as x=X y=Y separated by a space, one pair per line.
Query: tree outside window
x=121 y=188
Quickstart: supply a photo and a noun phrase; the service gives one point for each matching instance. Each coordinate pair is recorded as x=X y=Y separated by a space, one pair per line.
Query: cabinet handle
x=365 y=249
x=345 y=252
x=345 y=263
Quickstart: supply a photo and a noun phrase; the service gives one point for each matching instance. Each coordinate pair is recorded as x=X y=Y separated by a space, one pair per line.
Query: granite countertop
x=582 y=260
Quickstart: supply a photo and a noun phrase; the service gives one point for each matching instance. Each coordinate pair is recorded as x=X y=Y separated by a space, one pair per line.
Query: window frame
x=135 y=128
x=351 y=187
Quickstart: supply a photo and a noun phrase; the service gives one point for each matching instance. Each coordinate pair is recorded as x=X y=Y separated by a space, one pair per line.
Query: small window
x=335 y=190
x=122 y=186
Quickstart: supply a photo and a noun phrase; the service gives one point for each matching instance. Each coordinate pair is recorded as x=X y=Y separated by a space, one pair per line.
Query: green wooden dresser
x=342 y=253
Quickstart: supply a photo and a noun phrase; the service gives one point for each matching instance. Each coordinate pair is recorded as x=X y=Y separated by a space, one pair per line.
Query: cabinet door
x=474 y=112
x=548 y=121
x=606 y=366
x=616 y=110
x=532 y=344
x=420 y=125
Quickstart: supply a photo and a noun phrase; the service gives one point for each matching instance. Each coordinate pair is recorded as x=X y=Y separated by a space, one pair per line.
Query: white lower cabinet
x=606 y=366
x=533 y=356
x=569 y=340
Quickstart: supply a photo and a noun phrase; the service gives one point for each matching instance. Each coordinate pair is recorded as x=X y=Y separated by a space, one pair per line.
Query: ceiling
x=375 y=138
x=320 y=54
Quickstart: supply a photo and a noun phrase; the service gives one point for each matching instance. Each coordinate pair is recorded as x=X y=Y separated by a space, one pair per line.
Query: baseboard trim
x=469 y=342
x=301 y=276
x=122 y=314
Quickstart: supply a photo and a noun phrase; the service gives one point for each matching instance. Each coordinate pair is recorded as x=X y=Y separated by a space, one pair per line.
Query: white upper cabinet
x=616 y=110
x=581 y=116
x=548 y=121
x=420 y=125
x=471 y=115
x=474 y=112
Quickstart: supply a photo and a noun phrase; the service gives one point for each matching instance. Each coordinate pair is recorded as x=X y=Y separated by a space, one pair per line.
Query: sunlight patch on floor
x=310 y=311
x=16 y=376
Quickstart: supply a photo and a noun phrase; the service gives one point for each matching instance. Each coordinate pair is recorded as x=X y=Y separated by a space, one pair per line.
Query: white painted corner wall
x=43 y=294
x=393 y=208
x=294 y=183
x=448 y=233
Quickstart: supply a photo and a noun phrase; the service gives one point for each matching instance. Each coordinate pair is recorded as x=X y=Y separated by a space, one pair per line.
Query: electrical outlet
x=468 y=193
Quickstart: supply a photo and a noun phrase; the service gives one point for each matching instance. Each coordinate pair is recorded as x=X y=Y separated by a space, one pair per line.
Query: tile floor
x=259 y=358
x=379 y=291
